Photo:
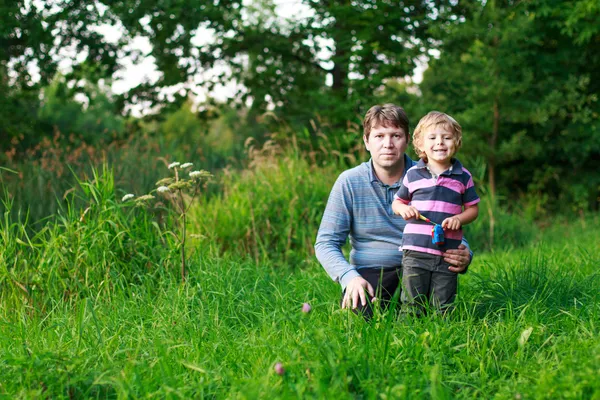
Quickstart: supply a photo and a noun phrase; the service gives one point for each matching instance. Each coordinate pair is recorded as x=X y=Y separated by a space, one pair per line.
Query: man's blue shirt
x=360 y=207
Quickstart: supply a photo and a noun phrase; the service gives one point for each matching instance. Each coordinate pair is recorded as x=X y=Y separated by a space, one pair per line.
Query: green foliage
x=520 y=84
x=34 y=38
x=182 y=126
x=519 y=76
x=287 y=64
x=96 y=121
x=270 y=211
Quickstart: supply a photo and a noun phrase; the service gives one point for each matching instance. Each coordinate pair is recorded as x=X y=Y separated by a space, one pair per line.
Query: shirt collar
x=456 y=167
x=408 y=164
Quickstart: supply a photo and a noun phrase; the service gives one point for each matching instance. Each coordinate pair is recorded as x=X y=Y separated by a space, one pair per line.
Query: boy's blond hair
x=431 y=120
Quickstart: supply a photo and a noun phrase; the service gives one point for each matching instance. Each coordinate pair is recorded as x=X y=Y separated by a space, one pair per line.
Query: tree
x=332 y=61
x=357 y=45
x=520 y=84
x=34 y=38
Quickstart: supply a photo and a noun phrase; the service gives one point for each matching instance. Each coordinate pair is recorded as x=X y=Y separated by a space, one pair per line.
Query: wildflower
x=195 y=174
x=279 y=370
x=180 y=185
x=162 y=189
x=165 y=181
x=127 y=197
x=145 y=197
x=186 y=165
x=306 y=308
x=174 y=165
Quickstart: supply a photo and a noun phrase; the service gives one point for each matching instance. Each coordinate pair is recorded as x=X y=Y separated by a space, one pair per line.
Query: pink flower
x=306 y=308
x=279 y=370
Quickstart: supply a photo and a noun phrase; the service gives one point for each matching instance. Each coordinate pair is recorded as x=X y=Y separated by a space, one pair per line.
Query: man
x=360 y=206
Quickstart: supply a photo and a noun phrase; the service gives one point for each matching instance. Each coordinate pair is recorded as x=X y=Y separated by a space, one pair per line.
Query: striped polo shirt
x=437 y=198
x=360 y=207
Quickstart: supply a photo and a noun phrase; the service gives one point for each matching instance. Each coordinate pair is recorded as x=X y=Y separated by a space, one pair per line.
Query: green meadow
x=92 y=304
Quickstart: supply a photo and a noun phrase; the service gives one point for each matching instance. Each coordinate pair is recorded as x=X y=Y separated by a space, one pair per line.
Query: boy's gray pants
x=426 y=279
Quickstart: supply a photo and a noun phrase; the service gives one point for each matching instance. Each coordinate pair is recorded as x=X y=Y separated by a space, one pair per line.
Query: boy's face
x=387 y=146
x=438 y=143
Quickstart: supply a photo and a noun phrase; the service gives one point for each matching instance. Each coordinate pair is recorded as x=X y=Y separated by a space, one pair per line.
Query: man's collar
x=456 y=167
x=408 y=164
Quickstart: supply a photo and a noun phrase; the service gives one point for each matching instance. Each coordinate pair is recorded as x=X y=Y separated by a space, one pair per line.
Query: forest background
x=520 y=76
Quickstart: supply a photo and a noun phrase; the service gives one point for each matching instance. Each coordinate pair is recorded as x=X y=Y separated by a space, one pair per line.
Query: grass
x=221 y=334
x=91 y=306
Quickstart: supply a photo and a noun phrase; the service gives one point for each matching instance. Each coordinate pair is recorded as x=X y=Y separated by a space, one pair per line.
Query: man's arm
x=333 y=233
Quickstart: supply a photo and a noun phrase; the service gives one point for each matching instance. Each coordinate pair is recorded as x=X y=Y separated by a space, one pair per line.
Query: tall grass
x=44 y=175
x=270 y=211
x=273 y=208
x=105 y=246
x=221 y=333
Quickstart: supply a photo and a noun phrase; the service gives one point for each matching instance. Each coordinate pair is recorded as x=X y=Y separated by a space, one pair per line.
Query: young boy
x=438 y=187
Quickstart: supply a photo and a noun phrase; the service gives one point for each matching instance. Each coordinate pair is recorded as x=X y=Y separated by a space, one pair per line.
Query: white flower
x=127 y=197
x=195 y=174
x=162 y=189
x=174 y=165
x=186 y=165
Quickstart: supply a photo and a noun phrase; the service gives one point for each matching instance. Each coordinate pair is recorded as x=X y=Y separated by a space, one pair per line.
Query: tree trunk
x=493 y=143
x=341 y=59
x=492 y=170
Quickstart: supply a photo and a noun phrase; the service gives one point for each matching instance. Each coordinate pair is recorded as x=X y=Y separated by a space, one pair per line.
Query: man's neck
x=389 y=176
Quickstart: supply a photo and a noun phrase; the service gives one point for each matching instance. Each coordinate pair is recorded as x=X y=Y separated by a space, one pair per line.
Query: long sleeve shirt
x=360 y=207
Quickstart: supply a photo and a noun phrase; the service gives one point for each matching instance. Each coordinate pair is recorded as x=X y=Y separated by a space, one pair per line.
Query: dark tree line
x=520 y=76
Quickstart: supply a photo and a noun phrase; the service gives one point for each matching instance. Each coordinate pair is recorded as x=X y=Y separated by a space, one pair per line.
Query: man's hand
x=459 y=258
x=355 y=290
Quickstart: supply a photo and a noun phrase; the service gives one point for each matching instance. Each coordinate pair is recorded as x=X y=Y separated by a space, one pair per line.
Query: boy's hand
x=407 y=212
x=452 y=223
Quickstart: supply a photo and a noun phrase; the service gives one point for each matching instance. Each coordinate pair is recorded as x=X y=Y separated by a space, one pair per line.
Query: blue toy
x=437 y=232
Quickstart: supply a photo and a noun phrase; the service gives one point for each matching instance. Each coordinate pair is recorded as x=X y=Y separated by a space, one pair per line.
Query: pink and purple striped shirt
x=437 y=198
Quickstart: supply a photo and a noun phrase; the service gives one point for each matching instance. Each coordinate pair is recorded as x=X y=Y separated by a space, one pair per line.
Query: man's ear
x=366 y=141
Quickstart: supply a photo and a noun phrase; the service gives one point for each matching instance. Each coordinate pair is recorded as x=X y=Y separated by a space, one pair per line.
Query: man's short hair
x=387 y=115
x=431 y=120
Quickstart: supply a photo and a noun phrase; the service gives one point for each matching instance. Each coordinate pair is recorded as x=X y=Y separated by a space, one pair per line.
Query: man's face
x=386 y=145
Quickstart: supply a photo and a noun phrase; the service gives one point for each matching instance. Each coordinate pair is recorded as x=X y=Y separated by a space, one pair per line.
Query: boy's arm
x=466 y=217
x=407 y=212
x=401 y=206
